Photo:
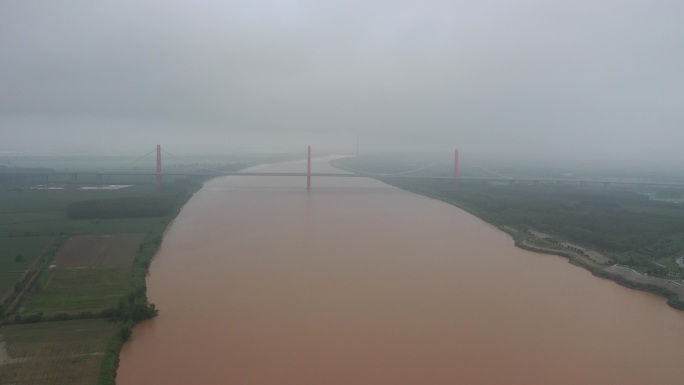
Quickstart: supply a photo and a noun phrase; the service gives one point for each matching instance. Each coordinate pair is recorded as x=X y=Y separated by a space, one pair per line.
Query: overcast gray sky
x=601 y=79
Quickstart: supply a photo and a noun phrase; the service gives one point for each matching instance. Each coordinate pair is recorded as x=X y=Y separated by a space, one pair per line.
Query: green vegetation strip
x=78 y=290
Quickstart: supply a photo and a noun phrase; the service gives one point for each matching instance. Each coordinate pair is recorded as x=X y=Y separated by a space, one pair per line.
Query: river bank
x=76 y=279
x=86 y=286
x=623 y=275
x=141 y=270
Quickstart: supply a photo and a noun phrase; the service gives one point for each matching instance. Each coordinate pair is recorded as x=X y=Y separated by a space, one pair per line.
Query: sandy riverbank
x=623 y=275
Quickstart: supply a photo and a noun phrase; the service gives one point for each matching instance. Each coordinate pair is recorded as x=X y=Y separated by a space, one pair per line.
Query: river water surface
x=261 y=282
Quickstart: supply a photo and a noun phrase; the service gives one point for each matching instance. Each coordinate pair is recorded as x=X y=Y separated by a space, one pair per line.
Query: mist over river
x=261 y=282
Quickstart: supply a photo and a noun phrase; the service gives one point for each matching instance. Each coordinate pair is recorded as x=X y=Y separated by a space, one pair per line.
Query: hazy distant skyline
x=599 y=80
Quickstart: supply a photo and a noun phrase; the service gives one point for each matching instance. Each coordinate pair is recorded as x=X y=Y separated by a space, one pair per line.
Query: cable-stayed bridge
x=435 y=171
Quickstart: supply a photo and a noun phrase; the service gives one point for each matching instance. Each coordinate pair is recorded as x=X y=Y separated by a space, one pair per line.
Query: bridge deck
x=336 y=175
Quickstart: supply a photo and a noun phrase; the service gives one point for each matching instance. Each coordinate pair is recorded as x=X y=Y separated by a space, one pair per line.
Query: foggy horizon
x=529 y=80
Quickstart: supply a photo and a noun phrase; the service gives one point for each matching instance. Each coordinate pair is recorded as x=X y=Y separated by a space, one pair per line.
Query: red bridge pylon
x=308 y=170
x=456 y=168
x=159 y=167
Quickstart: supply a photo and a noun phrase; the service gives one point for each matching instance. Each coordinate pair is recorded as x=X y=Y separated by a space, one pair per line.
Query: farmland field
x=54 y=353
x=16 y=255
x=99 y=250
x=29 y=213
x=78 y=290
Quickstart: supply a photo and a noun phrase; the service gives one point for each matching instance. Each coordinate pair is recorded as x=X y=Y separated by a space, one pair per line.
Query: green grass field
x=54 y=353
x=31 y=201
x=78 y=290
x=43 y=212
x=29 y=248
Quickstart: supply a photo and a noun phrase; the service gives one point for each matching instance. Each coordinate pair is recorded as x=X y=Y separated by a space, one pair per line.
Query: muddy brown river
x=261 y=282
